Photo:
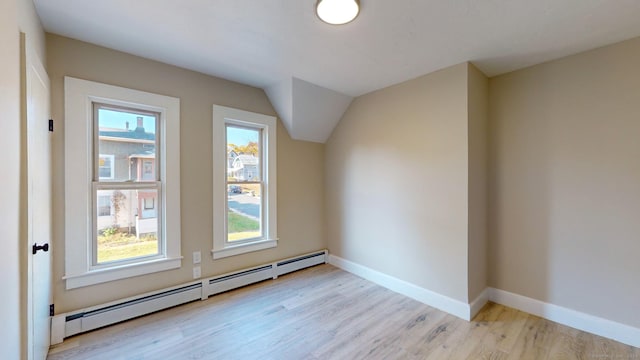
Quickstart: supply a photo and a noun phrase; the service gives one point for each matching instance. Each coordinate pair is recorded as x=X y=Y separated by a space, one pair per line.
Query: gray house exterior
x=244 y=168
x=127 y=156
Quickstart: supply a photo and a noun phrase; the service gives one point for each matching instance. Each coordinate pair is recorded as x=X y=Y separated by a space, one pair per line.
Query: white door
x=38 y=143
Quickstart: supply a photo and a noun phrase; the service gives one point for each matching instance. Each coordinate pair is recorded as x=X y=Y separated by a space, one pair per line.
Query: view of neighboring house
x=127 y=156
x=231 y=155
x=243 y=167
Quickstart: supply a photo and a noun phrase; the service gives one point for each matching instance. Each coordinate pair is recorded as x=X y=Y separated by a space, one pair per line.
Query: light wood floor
x=326 y=313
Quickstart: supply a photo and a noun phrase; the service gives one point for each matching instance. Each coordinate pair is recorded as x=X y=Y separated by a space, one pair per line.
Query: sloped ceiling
x=308 y=111
x=311 y=70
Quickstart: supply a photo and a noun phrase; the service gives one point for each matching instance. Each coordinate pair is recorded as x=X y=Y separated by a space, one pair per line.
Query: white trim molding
x=592 y=324
x=478 y=303
x=122 y=272
x=223 y=116
x=623 y=333
x=80 y=95
x=438 y=301
x=244 y=248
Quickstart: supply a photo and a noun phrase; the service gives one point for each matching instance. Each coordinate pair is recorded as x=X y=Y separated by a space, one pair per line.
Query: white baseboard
x=438 y=301
x=479 y=302
x=625 y=334
x=592 y=324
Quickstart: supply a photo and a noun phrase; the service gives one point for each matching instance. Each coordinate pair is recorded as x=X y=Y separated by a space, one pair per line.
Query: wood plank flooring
x=326 y=313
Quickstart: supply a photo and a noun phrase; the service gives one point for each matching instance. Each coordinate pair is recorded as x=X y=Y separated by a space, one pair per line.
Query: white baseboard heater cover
x=246 y=277
x=84 y=321
x=73 y=323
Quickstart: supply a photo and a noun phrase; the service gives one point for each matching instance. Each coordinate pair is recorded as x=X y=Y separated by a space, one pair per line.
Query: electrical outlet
x=196 y=272
x=197 y=257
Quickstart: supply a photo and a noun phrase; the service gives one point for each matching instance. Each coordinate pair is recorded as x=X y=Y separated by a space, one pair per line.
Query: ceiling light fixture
x=337 y=12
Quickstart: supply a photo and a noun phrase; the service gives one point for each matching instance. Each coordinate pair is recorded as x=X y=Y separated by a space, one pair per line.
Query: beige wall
x=15 y=17
x=565 y=178
x=29 y=23
x=396 y=182
x=10 y=180
x=478 y=106
x=300 y=167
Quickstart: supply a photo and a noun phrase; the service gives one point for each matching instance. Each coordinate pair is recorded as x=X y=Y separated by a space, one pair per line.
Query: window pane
x=148 y=170
x=243 y=154
x=104 y=205
x=244 y=212
x=105 y=166
x=127 y=224
x=126 y=145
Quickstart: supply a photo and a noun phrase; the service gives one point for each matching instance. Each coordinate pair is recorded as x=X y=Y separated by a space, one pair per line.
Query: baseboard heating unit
x=76 y=322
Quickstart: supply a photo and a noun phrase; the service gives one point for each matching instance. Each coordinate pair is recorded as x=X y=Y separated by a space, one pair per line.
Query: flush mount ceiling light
x=337 y=12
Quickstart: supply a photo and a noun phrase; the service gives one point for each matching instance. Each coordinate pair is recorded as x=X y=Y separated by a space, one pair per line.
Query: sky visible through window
x=118 y=119
x=241 y=136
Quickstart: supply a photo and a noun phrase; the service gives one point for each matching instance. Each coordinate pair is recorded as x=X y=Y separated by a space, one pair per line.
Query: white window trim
x=112 y=167
x=79 y=96
x=221 y=117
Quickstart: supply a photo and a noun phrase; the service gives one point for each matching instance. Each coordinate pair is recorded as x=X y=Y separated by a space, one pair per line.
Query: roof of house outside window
x=128 y=134
x=246 y=160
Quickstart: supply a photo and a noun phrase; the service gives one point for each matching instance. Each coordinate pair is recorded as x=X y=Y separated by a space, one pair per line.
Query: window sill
x=121 y=272
x=244 y=248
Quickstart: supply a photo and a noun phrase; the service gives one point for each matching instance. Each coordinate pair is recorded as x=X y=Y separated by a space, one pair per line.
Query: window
x=244 y=181
x=123 y=209
x=120 y=240
x=104 y=205
x=105 y=166
x=147 y=170
x=149 y=203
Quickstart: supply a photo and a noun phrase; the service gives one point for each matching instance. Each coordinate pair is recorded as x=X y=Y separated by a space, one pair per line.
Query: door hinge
x=51 y=125
x=51 y=310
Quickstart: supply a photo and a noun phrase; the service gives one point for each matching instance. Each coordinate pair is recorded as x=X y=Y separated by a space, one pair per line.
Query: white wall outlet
x=197 y=257
x=196 y=272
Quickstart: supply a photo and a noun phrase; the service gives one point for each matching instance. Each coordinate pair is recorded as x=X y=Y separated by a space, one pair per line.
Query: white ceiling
x=281 y=46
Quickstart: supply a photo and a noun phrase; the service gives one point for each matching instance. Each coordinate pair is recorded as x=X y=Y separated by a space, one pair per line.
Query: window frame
x=112 y=184
x=261 y=181
x=80 y=170
x=222 y=116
